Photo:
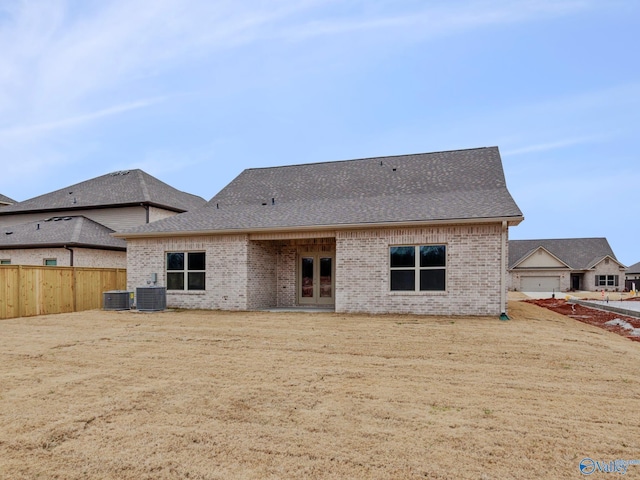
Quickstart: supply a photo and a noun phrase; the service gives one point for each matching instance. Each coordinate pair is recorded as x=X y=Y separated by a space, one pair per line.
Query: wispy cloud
x=32 y=130
x=61 y=54
x=555 y=145
x=430 y=21
x=57 y=57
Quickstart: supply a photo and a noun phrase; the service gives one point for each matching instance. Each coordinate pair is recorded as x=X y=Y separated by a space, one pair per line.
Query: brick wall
x=262 y=278
x=605 y=267
x=226 y=264
x=287 y=271
x=473 y=271
x=82 y=257
x=246 y=275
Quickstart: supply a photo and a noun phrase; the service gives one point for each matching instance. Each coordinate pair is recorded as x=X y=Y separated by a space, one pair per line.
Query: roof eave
x=511 y=221
x=93 y=207
x=31 y=246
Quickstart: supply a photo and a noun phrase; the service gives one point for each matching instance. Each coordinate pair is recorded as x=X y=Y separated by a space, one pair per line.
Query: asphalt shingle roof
x=635 y=268
x=59 y=231
x=4 y=200
x=128 y=187
x=453 y=185
x=577 y=253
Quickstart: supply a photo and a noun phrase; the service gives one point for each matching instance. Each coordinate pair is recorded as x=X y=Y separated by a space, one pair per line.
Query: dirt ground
x=214 y=395
x=614 y=322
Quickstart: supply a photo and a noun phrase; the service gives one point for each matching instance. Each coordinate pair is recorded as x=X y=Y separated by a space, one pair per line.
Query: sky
x=195 y=92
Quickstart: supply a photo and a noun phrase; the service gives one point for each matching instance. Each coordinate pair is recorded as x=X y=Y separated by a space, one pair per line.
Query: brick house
x=73 y=226
x=423 y=234
x=632 y=277
x=564 y=264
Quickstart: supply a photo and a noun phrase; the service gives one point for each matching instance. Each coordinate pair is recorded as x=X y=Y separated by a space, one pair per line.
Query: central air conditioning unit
x=117 y=300
x=151 y=299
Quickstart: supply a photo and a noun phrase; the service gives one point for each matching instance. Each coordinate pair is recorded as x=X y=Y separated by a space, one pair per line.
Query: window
x=5 y=261
x=185 y=271
x=418 y=268
x=50 y=262
x=606 y=280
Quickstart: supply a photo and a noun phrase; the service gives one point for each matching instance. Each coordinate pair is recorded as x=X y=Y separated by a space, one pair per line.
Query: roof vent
x=8 y=233
x=120 y=172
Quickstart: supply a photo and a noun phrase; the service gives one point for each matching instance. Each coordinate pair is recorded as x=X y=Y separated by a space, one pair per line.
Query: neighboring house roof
x=74 y=231
x=428 y=187
x=576 y=253
x=128 y=187
x=635 y=268
x=4 y=200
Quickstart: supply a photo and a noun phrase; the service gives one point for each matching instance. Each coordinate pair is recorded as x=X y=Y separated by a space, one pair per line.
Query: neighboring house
x=91 y=211
x=562 y=265
x=4 y=201
x=632 y=276
x=424 y=234
x=64 y=241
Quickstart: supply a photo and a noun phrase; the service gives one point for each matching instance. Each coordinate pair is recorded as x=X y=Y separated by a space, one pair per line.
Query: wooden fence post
x=21 y=286
x=74 y=290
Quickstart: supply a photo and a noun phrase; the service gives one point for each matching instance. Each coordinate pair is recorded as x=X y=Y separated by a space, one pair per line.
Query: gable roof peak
x=119 y=188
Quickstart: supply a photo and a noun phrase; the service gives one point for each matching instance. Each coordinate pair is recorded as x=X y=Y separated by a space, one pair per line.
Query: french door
x=316 y=278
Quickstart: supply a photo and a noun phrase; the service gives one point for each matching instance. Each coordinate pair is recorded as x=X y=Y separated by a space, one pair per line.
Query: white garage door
x=540 y=284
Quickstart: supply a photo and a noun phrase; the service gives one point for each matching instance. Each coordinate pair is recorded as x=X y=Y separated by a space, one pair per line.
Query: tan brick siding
x=287 y=271
x=604 y=268
x=473 y=271
x=226 y=262
x=82 y=257
x=262 y=278
x=245 y=275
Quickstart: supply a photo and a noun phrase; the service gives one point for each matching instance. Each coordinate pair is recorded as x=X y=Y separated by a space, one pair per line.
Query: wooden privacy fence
x=27 y=290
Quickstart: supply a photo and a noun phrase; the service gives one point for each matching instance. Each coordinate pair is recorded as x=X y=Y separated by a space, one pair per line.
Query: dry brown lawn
x=213 y=395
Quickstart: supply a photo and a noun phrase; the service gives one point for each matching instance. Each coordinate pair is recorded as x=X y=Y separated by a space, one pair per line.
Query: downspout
x=70 y=255
x=146 y=207
x=503 y=271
